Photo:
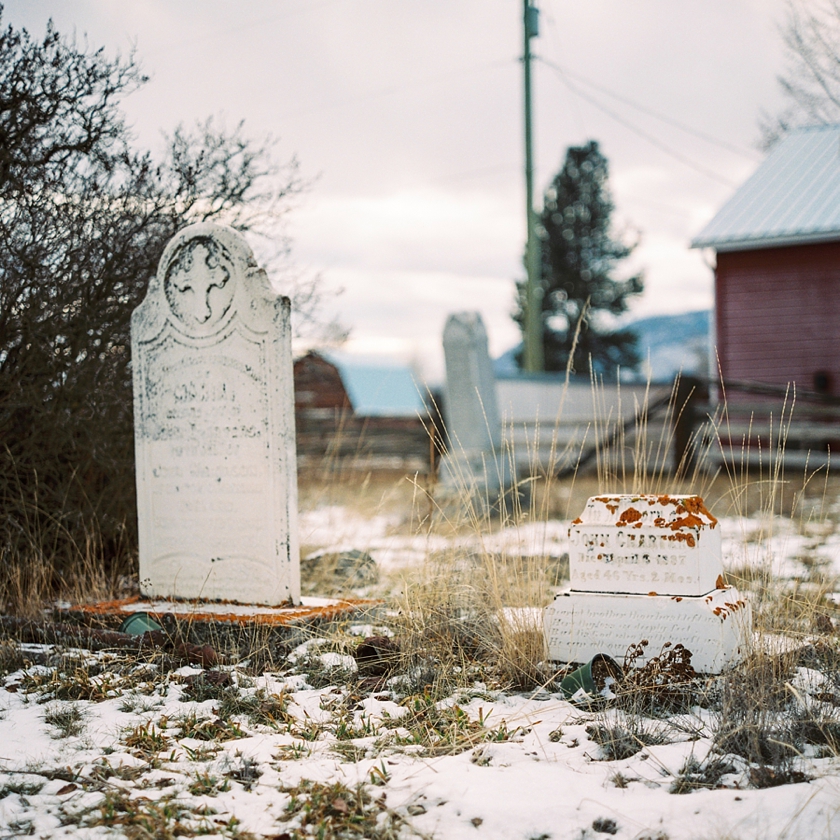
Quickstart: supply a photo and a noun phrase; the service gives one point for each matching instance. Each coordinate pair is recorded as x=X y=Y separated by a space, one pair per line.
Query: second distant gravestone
x=214 y=426
x=474 y=464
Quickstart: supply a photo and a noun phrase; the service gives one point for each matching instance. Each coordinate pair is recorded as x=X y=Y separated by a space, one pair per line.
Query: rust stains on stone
x=628 y=516
x=257 y=615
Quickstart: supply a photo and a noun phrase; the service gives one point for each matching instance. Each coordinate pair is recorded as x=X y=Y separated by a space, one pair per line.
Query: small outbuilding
x=319 y=388
x=354 y=416
x=777 y=275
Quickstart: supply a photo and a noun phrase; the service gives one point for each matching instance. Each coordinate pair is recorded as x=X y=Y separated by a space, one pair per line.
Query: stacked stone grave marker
x=647 y=568
x=214 y=426
x=474 y=463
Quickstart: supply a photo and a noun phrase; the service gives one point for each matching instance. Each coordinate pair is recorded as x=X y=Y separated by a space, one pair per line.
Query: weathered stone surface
x=714 y=627
x=647 y=567
x=641 y=544
x=471 y=406
x=214 y=426
x=475 y=461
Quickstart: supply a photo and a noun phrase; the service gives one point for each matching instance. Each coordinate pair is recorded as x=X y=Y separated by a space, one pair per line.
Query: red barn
x=777 y=279
x=319 y=388
x=342 y=427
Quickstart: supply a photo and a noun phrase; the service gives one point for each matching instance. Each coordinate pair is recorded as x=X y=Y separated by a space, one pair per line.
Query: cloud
x=410 y=116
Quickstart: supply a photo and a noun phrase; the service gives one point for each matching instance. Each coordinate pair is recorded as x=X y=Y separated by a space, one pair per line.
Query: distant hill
x=667 y=344
x=670 y=343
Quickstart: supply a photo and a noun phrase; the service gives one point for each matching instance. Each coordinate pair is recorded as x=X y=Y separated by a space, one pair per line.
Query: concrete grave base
x=715 y=627
x=226 y=612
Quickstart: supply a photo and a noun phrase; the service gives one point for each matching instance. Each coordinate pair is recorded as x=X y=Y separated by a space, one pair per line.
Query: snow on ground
x=146 y=757
x=774 y=543
x=336 y=529
x=530 y=771
x=781 y=546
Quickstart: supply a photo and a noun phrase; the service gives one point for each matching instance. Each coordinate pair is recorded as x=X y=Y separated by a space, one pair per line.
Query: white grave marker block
x=715 y=627
x=648 y=567
x=214 y=426
x=643 y=544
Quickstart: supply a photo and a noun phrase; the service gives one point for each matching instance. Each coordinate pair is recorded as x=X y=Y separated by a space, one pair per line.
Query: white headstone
x=648 y=567
x=214 y=426
x=474 y=460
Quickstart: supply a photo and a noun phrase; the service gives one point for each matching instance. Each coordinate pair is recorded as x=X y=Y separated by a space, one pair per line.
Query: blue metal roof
x=379 y=390
x=793 y=198
x=382 y=391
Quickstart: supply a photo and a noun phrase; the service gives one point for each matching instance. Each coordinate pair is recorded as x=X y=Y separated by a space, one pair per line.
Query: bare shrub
x=85 y=219
x=665 y=684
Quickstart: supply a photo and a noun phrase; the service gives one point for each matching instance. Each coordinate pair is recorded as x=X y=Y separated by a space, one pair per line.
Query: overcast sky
x=408 y=116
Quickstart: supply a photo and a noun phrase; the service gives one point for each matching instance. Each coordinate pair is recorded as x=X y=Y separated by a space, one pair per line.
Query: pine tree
x=579 y=256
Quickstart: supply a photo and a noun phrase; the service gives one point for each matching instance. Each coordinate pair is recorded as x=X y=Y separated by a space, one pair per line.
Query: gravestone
x=474 y=462
x=214 y=426
x=648 y=567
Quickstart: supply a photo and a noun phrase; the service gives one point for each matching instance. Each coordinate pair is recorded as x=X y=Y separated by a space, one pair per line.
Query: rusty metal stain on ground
x=229 y=612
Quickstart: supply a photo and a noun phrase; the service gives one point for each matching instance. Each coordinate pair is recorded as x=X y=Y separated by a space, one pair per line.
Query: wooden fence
x=331 y=439
x=554 y=428
x=751 y=425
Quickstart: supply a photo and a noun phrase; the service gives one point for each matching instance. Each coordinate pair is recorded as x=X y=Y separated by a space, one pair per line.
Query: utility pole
x=534 y=356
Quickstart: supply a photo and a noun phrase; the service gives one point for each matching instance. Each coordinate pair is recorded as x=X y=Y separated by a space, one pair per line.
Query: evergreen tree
x=579 y=256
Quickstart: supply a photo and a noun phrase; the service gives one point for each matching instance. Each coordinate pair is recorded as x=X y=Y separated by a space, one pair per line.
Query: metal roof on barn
x=793 y=198
x=380 y=390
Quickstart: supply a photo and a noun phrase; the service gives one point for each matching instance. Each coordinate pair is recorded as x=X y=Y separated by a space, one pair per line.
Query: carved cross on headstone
x=193 y=279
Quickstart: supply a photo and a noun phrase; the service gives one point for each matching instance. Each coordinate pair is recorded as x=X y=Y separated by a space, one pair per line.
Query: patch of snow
x=332 y=661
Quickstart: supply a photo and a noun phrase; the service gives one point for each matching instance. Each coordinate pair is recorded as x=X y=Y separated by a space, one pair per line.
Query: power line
x=574 y=105
x=659 y=205
x=650 y=112
x=640 y=132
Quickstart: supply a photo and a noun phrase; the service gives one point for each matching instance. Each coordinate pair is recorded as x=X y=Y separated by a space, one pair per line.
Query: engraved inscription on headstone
x=647 y=567
x=214 y=426
x=715 y=628
x=645 y=544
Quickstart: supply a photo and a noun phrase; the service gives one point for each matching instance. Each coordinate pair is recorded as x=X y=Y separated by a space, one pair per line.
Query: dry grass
x=475 y=616
x=464 y=613
x=316 y=809
x=32 y=576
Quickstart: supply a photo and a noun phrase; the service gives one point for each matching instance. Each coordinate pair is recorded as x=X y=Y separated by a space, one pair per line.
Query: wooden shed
x=777 y=275
x=359 y=417
x=319 y=388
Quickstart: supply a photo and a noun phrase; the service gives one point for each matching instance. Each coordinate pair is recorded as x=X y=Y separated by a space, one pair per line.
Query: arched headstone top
x=198 y=281
x=206 y=274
